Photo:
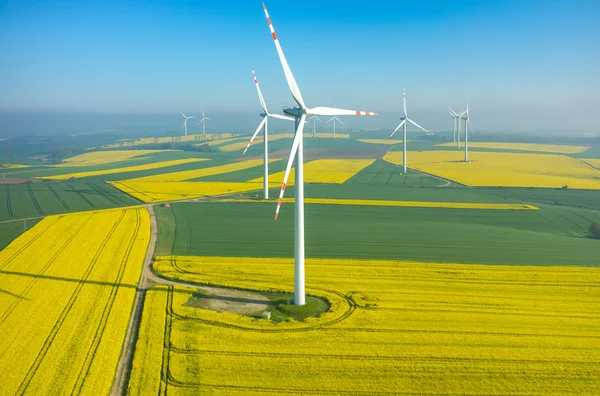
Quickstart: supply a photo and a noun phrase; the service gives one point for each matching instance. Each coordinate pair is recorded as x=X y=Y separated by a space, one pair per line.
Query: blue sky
x=524 y=65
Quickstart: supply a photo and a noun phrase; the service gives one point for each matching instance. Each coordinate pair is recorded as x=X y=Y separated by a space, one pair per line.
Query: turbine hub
x=294 y=111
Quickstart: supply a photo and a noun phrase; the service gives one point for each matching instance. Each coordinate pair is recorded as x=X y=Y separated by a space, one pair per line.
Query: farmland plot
x=504 y=169
x=67 y=291
x=395 y=327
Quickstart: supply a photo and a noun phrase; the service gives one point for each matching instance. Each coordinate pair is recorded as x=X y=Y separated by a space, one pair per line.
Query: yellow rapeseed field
x=595 y=162
x=410 y=204
x=150 y=192
x=413 y=328
x=106 y=157
x=14 y=166
x=208 y=138
x=382 y=141
x=197 y=173
x=330 y=171
x=503 y=169
x=241 y=145
x=146 y=371
x=134 y=168
x=68 y=286
x=548 y=148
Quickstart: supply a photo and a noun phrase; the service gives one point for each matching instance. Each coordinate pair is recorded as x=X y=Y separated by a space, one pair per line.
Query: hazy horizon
x=119 y=65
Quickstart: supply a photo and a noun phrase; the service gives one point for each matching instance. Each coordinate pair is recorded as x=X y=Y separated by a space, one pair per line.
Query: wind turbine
x=203 y=122
x=185 y=121
x=465 y=116
x=455 y=118
x=403 y=123
x=334 y=119
x=314 y=118
x=264 y=123
x=297 y=152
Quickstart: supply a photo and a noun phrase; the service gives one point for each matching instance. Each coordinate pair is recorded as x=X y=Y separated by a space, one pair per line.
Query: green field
x=46 y=198
x=551 y=236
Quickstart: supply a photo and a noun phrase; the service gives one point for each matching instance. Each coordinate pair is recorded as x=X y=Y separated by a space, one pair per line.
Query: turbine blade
x=338 y=120
x=294 y=89
x=260 y=97
x=190 y=117
x=317 y=118
x=405 y=115
x=262 y=123
x=182 y=114
x=417 y=125
x=202 y=110
x=329 y=120
x=398 y=127
x=281 y=117
x=208 y=119
x=295 y=145
x=332 y=111
x=452 y=112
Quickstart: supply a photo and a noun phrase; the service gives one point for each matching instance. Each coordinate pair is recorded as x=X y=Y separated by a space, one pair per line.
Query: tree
x=595 y=229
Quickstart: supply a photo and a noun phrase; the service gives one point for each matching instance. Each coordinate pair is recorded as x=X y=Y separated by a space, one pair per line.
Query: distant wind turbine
x=465 y=116
x=203 y=122
x=264 y=123
x=314 y=118
x=455 y=120
x=297 y=152
x=185 y=121
x=334 y=119
x=403 y=123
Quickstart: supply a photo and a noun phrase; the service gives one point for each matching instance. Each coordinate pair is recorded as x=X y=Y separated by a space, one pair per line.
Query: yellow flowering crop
x=331 y=171
x=196 y=173
x=106 y=157
x=418 y=328
x=409 y=204
x=503 y=169
x=146 y=368
x=276 y=136
x=14 y=166
x=595 y=162
x=548 y=148
x=208 y=138
x=68 y=286
x=171 y=191
x=382 y=141
x=134 y=168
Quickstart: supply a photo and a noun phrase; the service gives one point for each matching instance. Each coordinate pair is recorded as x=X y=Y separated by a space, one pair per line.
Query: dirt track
x=215 y=298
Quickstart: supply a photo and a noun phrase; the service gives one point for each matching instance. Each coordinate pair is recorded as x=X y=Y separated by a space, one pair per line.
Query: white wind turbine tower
x=185 y=121
x=465 y=116
x=297 y=152
x=314 y=119
x=203 y=122
x=403 y=123
x=455 y=119
x=334 y=119
x=264 y=123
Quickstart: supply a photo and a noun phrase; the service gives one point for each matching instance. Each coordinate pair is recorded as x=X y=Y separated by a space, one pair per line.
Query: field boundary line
x=25 y=246
x=448 y=181
x=164 y=369
x=123 y=371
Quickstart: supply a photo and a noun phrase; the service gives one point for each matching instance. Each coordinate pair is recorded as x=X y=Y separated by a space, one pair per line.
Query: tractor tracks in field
x=65 y=312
